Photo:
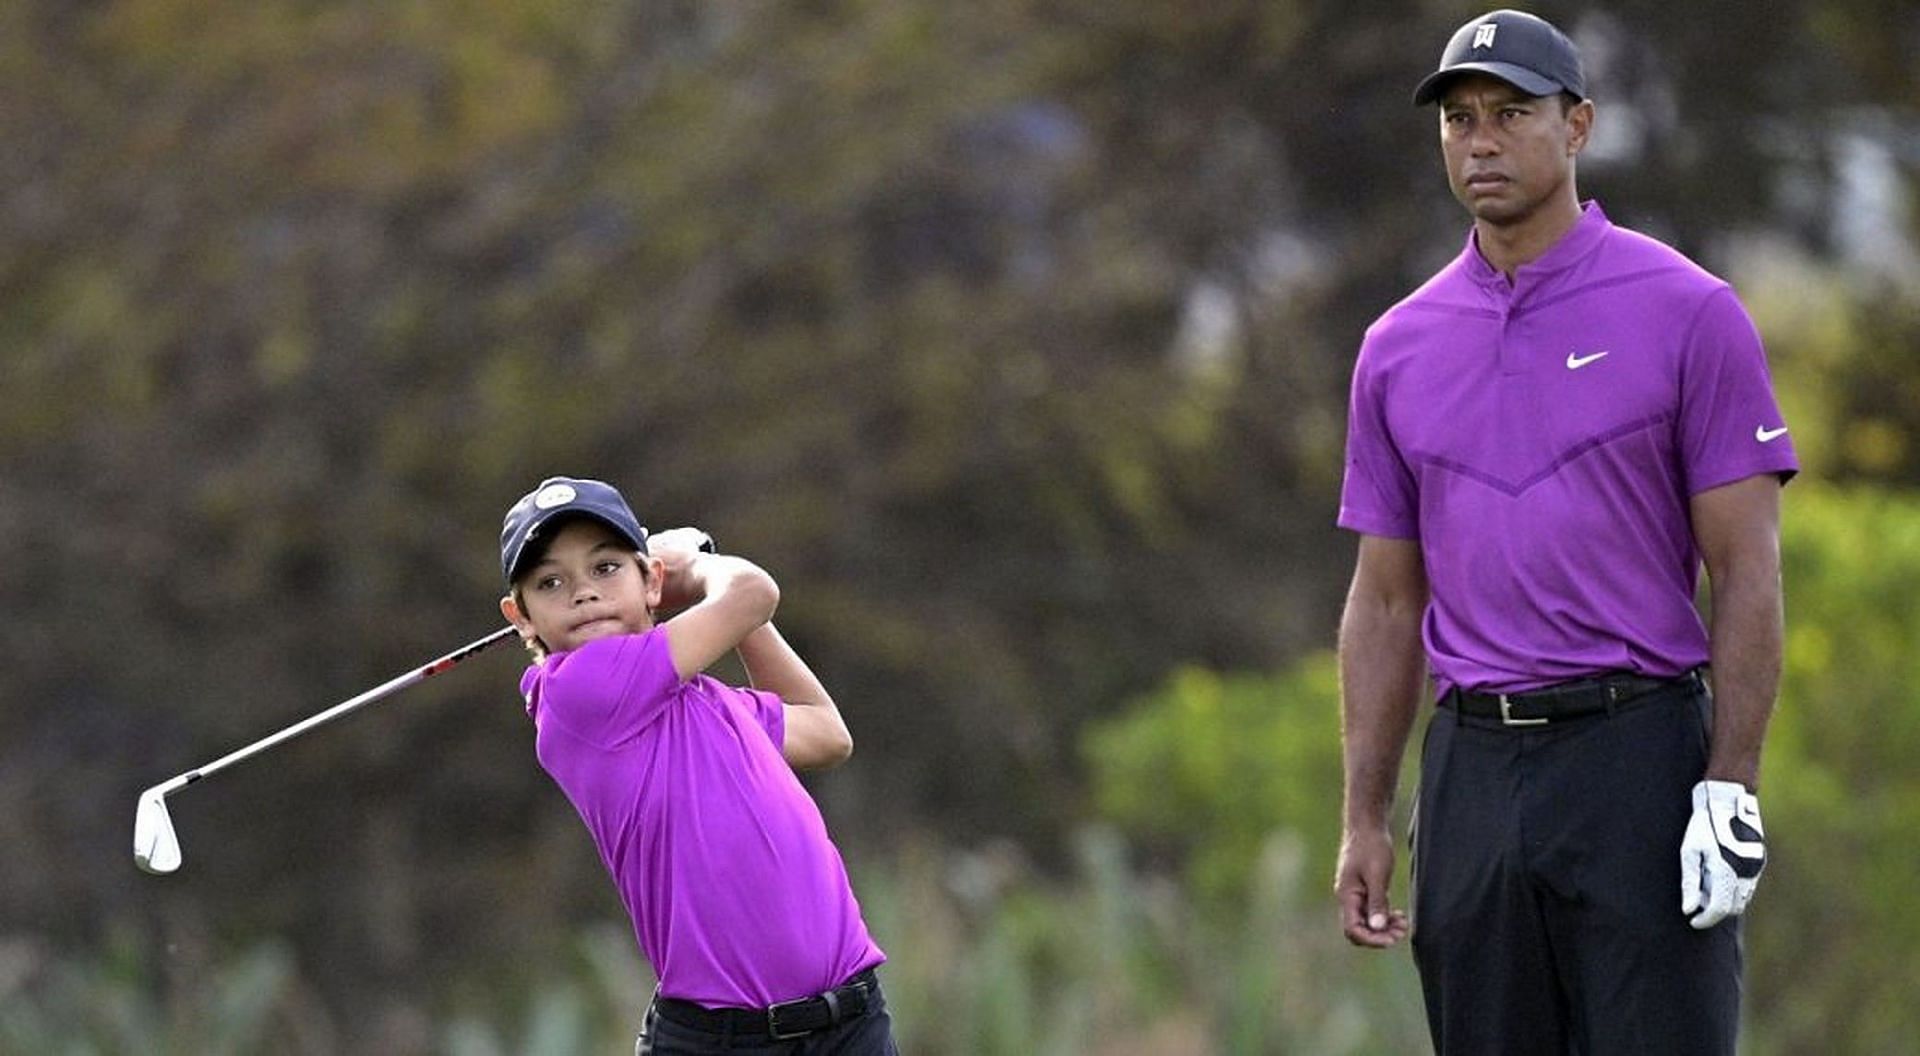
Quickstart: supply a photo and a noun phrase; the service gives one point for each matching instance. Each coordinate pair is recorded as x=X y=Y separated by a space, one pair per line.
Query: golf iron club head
x=155 y=847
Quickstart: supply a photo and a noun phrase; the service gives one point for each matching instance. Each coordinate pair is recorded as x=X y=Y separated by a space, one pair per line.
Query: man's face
x=1508 y=152
x=588 y=583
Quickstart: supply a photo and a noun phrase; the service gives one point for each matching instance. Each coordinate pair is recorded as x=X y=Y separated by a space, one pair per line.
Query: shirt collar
x=1583 y=238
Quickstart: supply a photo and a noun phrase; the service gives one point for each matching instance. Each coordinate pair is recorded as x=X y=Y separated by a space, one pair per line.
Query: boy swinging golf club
x=737 y=894
x=739 y=898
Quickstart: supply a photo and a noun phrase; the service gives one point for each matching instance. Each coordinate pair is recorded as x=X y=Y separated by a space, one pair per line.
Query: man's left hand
x=1722 y=853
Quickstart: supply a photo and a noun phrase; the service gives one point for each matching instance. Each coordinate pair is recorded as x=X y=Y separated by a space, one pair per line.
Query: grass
x=986 y=956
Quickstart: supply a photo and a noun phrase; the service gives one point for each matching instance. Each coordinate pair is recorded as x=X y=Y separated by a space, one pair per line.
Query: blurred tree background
x=1012 y=336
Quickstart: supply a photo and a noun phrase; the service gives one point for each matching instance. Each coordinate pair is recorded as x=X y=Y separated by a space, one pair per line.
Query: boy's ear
x=511 y=610
x=528 y=636
x=656 y=577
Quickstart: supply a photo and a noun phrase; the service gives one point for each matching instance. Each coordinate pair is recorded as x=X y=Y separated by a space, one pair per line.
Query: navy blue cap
x=1524 y=50
x=558 y=496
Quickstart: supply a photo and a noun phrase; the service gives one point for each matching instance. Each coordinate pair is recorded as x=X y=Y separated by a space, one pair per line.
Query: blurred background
x=1012 y=336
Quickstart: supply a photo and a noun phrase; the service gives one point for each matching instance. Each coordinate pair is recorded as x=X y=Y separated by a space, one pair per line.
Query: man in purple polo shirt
x=1546 y=442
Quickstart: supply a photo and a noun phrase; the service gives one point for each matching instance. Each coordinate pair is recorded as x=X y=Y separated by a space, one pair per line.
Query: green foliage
x=1831 y=928
x=986 y=957
x=80 y=1008
x=1842 y=354
x=1117 y=960
x=1208 y=767
x=143 y=999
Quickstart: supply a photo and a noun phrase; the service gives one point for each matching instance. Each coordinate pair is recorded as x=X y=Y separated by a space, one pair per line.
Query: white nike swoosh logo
x=1575 y=362
x=1766 y=435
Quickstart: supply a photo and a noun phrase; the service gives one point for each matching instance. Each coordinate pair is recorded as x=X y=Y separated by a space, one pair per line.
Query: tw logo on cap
x=554 y=495
x=1483 y=35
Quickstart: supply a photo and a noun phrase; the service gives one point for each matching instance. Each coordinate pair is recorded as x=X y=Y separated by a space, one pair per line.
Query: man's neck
x=1509 y=247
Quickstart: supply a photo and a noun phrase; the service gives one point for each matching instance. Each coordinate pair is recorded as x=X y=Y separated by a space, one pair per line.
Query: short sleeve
x=1378 y=495
x=1730 y=424
x=610 y=688
x=771 y=713
x=759 y=708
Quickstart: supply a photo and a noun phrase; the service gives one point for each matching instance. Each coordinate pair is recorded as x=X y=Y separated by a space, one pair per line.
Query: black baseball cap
x=561 y=496
x=1524 y=50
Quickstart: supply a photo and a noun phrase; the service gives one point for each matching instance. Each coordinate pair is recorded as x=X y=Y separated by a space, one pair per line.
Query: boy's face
x=588 y=583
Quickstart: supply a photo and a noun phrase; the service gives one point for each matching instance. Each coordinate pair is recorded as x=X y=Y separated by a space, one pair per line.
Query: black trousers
x=869 y=1034
x=1546 y=887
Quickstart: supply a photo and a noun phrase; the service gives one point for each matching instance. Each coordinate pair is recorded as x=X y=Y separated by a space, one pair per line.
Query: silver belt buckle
x=1506 y=715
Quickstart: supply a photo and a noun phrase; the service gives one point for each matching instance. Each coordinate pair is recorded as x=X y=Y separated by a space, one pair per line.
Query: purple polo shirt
x=737 y=895
x=1541 y=440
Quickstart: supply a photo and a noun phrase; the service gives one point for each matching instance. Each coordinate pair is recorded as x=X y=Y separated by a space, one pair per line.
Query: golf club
x=155 y=847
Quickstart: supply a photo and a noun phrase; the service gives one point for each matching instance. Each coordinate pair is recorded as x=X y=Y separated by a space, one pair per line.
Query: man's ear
x=1579 y=126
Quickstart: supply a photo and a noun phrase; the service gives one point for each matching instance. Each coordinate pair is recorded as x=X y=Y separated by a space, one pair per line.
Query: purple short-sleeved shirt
x=1541 y=440
x=737 y=894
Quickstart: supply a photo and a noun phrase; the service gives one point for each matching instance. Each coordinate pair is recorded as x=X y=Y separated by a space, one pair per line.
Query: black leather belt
x=1567 y=700
x=788 y=1019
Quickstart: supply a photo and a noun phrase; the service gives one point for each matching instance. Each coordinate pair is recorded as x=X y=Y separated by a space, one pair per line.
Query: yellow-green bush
x=1207 y=768
x=1831 y=932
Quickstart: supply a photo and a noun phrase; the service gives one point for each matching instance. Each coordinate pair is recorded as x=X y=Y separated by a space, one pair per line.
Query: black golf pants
x=1546 y=887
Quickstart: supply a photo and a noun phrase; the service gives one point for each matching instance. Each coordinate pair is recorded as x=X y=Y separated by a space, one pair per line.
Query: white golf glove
x=1722 y=854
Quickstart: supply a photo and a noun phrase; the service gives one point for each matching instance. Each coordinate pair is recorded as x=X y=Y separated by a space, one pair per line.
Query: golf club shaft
x=344 y=707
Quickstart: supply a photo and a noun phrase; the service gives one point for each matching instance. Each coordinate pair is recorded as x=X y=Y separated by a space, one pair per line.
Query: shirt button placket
x=1510 y=355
